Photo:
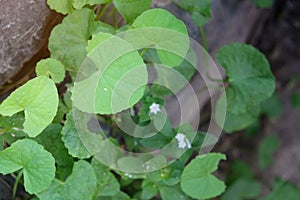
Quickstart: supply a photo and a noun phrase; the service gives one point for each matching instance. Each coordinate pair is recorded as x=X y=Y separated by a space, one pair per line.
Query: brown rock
x=24 y=30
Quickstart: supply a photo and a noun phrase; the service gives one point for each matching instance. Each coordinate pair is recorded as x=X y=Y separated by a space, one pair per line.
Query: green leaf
x=39 y=100
x=242 y=189
x=117 y=76
x=72 y=140
x=130 y=164
x=61 y=6
x=107 y=184
x=169 y=35
x=197 y=180
x=78 y=4
x=272 y=107
x=240 y=169
x=68 y=40
x=250 y=83
x=119 y=196
x=51 y=67
x=296 y=100
x=131 y=9
x=283 y=190
x=50 y=138
x=264 y=3
x=149 y=189
x=266 y=149
x=81 y=184
x=200 y=10
x=37 y=164
x=171 y=193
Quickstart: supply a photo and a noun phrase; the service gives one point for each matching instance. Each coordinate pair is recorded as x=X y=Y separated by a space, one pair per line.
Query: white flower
x=154 y=108
x=183 y=142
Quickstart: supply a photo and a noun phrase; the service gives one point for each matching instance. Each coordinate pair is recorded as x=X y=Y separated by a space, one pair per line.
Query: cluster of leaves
x=39 y=132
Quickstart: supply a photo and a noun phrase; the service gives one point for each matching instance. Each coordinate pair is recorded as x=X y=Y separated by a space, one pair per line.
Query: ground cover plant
x=51 y=141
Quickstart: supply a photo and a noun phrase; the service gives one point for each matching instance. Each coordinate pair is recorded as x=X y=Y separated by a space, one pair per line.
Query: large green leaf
x=37 y=164
x=51 y=67
x=242 y=189
x=71 y=138
x=68 y=40
x=81 y=184
x=197 y=180
x=50 y=138
x=250 y=83
x=39 y=100
x=115 y=76
x=131 y=9
x=159 y=29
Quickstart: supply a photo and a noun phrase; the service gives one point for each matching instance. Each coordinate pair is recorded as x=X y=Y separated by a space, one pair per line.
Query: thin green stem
x=17 y=183
x=103 y=10
x=143 y=52
x=205 y=46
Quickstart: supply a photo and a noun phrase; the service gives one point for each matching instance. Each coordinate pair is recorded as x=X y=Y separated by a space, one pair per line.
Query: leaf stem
x=103 y=10
x=17 y=183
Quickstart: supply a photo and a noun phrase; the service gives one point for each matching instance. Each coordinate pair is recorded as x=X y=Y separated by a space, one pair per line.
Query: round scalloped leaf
x=131 y=9
x=39 y=100
x=250 y=78
x=197 y=180
x=68 y=40
x=172 y=46
x=37 y=164
x=117 y=80
x=81 y=184
x=51 y=67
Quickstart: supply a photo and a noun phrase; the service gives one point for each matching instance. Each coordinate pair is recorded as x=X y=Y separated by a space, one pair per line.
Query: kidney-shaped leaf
x=68 y=40
x=81 y=184
x=169 y=35
x=118 y=78
x=38 y=164
x=39 y=100
x=249 y=75
x=197 y=180
x=51 y=67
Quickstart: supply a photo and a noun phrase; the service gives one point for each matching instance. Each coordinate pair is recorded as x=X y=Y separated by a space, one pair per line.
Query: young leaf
x=149 y=189
x=37 y=164
x=68 y=40
x=107 y=184
x=51 y=67
x=71 y=139
x=81 y=184
x=61 y=6
x=168 y=35
x=118 y=79
x=131 y=9
x=39 y=100
x=250 y=82
x=200 y=10
x=266 y=149
x=197 y=180
x=50 y=138
x=242 y=189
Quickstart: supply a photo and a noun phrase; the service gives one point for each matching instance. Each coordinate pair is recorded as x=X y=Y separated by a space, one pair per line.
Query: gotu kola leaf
x=81 y=184
x=39 y=100
x=68 y=40
x=250 y=83
x=115 y=76
x=197 y=180
x=37 y=164
x=159 y=29
x=51 y=67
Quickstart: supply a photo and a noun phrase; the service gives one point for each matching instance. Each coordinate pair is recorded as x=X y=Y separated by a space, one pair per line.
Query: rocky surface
x=24 y=30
